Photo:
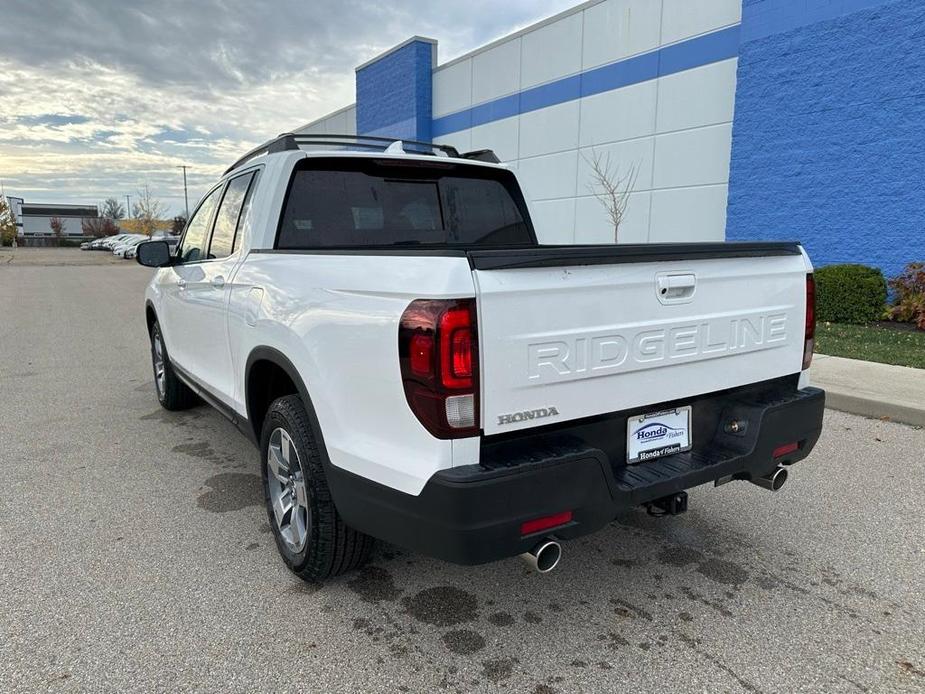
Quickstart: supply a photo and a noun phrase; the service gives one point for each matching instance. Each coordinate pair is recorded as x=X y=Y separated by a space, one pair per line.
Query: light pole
x=185 y=194
x=128 y=207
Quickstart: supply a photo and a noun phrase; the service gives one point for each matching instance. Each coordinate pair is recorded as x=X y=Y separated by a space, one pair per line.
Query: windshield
x=370 y=202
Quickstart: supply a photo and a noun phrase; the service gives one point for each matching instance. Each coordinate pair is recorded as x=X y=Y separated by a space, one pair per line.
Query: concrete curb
x=869 y=407
x=880 y=391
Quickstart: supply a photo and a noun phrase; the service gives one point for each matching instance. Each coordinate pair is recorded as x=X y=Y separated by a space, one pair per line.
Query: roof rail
x=292 y=141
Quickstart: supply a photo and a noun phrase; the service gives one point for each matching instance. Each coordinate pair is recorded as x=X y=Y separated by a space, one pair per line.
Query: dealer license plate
x=654 y=435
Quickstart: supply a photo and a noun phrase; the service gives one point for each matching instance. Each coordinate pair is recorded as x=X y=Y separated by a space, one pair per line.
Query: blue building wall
x=828 y=141
x=395 y=92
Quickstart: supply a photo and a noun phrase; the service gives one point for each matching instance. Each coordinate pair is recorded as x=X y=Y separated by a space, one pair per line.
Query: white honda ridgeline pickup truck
x=380 y=320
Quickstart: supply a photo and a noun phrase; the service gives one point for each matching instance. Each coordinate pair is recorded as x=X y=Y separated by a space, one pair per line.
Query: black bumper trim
x=472 y=515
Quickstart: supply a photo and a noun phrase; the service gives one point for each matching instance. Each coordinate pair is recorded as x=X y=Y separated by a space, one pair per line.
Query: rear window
x=367 y=202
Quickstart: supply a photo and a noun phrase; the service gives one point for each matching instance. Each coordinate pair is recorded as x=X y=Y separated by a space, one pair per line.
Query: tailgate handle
x=674 y=288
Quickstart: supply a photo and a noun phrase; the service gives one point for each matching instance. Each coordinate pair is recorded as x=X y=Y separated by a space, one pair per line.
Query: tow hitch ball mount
x=671 y=505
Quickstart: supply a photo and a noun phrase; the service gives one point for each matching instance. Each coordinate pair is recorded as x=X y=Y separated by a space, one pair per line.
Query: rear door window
x=192 y=247
x=228 y=217
x=366 y=202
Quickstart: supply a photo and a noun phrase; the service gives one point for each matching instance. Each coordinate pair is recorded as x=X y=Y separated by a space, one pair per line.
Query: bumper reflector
x=786 y=449
x=545 y=523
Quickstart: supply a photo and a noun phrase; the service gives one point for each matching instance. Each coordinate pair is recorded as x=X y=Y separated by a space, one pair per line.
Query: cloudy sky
x=99 y=97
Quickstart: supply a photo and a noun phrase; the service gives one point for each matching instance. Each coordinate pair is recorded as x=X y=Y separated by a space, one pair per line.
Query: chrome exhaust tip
x=544 y=557
x=772 y=482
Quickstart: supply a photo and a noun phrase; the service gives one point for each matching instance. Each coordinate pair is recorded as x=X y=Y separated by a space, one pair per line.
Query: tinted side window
x=192 y=248
x=228 y=217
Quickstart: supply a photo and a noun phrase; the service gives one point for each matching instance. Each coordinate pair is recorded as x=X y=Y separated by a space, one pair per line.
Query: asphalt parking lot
x=135 y=553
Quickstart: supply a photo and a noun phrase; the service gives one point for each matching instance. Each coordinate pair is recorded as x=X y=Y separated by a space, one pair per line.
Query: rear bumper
x=473 y=514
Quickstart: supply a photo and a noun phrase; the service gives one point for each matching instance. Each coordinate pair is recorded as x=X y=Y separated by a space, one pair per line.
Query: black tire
x=331 y=547
x=172 y=393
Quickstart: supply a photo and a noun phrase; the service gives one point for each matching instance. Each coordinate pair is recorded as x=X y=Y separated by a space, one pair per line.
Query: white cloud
x=116 y=95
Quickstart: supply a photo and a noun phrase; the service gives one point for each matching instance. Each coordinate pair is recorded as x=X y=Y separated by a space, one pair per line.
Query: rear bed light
x=438 y=354
x=545 y=523
x=809 y=339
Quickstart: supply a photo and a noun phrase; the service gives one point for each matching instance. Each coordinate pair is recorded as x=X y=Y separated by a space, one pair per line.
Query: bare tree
x=57 y=229
x=148 y=211
x=610 y=187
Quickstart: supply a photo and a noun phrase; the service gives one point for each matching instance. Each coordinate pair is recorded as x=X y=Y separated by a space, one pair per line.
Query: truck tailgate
x=566 y=333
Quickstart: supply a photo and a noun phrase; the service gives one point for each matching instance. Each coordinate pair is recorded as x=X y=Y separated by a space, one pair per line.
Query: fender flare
x=273 y=355
x=150 y=305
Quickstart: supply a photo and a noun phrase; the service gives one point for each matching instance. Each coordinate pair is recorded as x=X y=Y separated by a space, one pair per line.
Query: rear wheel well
x=150 y=316
x=266 y=381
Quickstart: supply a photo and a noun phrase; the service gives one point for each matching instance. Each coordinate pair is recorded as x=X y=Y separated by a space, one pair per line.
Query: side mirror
x=153 y=254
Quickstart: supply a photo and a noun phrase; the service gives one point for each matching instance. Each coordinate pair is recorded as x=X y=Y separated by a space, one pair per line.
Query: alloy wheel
x=160 y=372
x=288 y=495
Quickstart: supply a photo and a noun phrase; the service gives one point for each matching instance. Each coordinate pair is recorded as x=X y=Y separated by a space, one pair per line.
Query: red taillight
x=545 y=523
x=809 y=339
x=786 y=449
x=438 y=354
x=421 y=354
x=456 y=325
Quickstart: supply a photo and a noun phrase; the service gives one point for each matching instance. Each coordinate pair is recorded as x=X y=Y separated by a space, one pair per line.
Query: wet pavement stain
x=697 y=597
x=374 y=584
x=498 y=669
x=442 y=606
x=532 y=618
x=398 y=650
x=614 y=641
x=694 y=645
x=906 y=666
x=463 y=641
x=501 y=619
x=679 y=556
x=627 y=609
x=231 y=491
x=171 y=418
x=721 y=571
x=252 y=546
x=201 y=450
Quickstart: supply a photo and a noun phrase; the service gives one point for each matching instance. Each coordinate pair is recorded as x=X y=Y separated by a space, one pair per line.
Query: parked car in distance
x=104 y=243
x=120 y=248
x=414 y=366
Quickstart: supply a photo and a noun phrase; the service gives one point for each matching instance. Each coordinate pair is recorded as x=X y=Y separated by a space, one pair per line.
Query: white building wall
x=341 y=122
x=674 y=130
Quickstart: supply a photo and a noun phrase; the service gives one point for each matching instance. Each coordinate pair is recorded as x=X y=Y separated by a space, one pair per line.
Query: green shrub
x=850 y=294
x=909 y=293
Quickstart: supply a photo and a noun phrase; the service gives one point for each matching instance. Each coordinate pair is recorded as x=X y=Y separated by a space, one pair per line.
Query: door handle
x=675 y=287
x=181 y=284
x=218 y=282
